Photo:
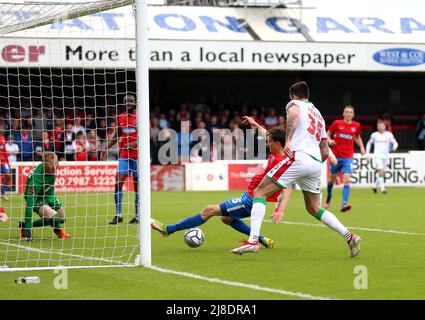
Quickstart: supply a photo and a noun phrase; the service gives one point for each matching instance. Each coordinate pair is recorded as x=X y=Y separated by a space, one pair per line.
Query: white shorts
x=380 y=164
x=303 y=170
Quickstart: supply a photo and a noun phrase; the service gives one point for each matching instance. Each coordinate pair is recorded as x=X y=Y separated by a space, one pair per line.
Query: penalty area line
x=240 y=284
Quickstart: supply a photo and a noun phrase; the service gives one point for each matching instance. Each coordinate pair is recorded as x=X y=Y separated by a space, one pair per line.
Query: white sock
x=258 y=212
x=377 y=183
x=381 y=183
x=329 y=219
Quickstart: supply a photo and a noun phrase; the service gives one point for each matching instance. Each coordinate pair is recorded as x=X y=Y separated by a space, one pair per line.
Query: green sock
x=55 y=222
x=41 y=222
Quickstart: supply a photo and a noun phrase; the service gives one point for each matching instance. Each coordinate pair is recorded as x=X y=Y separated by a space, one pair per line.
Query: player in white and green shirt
x=383 y=142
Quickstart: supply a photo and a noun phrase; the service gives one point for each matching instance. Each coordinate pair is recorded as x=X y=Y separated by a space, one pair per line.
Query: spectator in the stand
x=69 y=138
x=154 y=145
x=15 y=130
x=420 y=133
x=281 y=123
x=4 y=125
x=48 y=118
x=81 y=147
x=201 y=106
x=94 y=145
x=102 y=128
x=183 y=114
x=25 y=145
x=57 y=136
x=45 y=145
x=113 y=152
x=37 y=125
x=163 y=122
x=271 y=120
x=12 y=149
x=213 y=124
x=184 y=143
x=78 y=126
x=257 y=117
x=90 y=121
x=172 y=119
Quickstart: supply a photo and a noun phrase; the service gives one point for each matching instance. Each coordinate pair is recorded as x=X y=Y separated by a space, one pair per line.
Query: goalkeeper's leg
x=55 y=219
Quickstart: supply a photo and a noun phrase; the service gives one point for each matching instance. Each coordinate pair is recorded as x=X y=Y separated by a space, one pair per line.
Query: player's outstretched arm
x=248 y=120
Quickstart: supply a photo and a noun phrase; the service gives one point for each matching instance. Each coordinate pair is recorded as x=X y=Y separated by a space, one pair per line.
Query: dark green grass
x=308 y=259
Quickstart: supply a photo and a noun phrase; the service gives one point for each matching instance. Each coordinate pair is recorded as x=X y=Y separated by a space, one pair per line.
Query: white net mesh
x=63 y=80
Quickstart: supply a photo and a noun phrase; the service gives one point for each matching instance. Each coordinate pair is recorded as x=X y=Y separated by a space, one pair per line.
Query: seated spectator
x=102 y=128
x=15 y=129
x=81 y=147
x=24 y=142
x=77 y=127
x=271 y=120
x=113 y=152
x=281 y=123
x=58 y=136
x=69 y=147
x=12 y=149
x=94 y=145
x=45 y=145
x=163 y=122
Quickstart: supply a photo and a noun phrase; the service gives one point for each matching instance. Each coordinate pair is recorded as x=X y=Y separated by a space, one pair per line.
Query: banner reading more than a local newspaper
x=220 y=55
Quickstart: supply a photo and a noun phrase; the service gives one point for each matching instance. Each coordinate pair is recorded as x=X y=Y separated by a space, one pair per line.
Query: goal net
x=67 y=72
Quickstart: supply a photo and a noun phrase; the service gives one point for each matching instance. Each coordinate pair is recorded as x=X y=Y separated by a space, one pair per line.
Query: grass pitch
x=310 y=261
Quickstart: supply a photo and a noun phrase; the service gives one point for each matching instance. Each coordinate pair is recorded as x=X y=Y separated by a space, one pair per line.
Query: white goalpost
x=67 y=68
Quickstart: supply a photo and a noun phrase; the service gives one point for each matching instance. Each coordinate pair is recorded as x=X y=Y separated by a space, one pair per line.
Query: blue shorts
x=344 y=165
x=4 y=168
x=127 y=167
x=237 y=208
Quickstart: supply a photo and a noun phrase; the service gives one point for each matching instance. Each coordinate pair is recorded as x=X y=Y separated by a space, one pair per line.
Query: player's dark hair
x=299 y=89
x=350 y=107
x=129 y=95
x=277 y=135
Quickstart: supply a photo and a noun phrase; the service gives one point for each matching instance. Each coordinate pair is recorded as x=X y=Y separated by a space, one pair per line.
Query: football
x=194 y=237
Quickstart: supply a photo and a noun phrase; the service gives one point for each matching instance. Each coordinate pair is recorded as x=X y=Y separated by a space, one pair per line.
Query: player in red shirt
x=126 y=135
x=4 y=168
x=233 y=210
x=342 y=135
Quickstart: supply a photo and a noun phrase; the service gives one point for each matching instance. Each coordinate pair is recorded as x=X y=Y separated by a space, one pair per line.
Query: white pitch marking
x=240 y=284
x=354 y=228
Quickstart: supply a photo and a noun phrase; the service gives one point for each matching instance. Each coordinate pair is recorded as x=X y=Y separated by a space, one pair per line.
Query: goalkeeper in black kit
x=40 y=198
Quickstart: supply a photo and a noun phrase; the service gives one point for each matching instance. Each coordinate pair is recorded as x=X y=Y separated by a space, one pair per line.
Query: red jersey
x=127 y=126
x=81 y=151
x=344 y=135
x=4 y=157
x=272 y=160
